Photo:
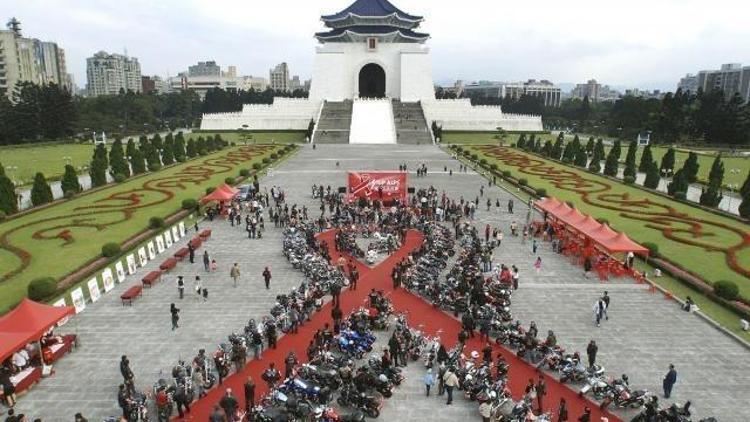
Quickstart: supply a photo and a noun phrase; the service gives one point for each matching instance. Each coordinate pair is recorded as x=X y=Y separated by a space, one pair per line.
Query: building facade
x=689 y=83
x=107 y=74
x=201 y=84
x=209 y=68
x=591 y=89
x=544 y=89
x=29 y=60
x=279 y=77
x=731 y=78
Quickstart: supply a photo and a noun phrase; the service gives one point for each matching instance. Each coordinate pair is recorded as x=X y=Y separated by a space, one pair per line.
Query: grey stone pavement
x=644 y=334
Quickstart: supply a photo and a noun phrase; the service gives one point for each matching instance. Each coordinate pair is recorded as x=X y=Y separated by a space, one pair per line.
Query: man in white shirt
x=21 y=359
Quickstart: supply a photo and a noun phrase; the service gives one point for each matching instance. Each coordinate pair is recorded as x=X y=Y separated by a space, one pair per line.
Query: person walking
x=206 y=261
x=538 y=265
x=181 y=400
x=600 y=308
x=534 y=246
x=541 y=391
x=562 y=411
x=271 y=376
x=429 y=381
x=229 y=404
x=591 y=350
x=181 y=286
x=336 y=314
x=267 y=277
x=191 y=250
x=530 y=393
x=249 y=394
x=235 y=273
x=669 y=381
x=586 y=416
x=515 y=276
x=510 y=206
x=175 y=311
x=450 y=381
x=335 y=293
x=354 y=275
x=605 y=299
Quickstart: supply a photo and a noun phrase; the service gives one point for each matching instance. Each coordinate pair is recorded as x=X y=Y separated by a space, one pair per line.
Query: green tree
x=137 y=161
x=611 y=165
x=167 y=155
x=537 y=145
x=156 y=142
x=667 y=162
x=117 y=161
x=200 y=146
x=581 y=158
x=679 y=184
x=570 y=151
x=8 y=198
x=646 y=159
x=630 y=160
x=41 y=193
x=69 y=182
x=521 y=143
x=617 y=149
x=130 y=149
x=745 y=207
x=179 y=148
x=595 y=166
x=745 y=189
x=192 y=150
x=652 y=176
x=691 y=167
x=599 y=148
x=547 y=149
x=152 y=157
x=590 y=145
x=98 y=167
x=557 y=149
x=712 y=196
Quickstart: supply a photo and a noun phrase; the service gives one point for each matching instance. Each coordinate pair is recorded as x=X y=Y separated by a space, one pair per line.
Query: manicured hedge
x=110 y=249
x=726 y=290
x=42 y=288
x=189 y=204
x=155 y=223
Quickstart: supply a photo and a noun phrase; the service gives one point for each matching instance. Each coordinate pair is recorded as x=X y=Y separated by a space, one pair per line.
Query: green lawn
x=113 y=214
x=284 y=137
x=484 y=138
x=50 y=159
x=643 y=221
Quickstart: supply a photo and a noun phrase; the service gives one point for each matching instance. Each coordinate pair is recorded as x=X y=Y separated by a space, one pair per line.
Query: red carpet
x=420 y=313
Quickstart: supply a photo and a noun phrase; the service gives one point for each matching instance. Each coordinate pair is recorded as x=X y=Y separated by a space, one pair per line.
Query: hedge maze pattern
x=691 y=231
x=120 y=206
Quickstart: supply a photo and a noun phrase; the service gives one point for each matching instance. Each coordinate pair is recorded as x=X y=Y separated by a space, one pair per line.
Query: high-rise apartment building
x=688 y=83
x=208 y=68
x=107 y=74
x=279 y=77
x=590 y=89
x=731 y=78
x=29 y=60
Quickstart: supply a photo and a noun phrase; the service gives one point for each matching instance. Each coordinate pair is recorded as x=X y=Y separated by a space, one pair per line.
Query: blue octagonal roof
x=372 y=8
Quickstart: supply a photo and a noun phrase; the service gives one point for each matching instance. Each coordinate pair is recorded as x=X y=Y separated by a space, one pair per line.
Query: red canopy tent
x=221 y=194
x=27 y=323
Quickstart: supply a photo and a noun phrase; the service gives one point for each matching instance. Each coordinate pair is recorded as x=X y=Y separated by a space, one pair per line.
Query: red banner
x=385 y=186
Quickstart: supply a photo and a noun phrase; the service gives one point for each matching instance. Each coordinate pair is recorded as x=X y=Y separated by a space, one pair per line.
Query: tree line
x=122 y=161
x=589 y=156
x=38 y=113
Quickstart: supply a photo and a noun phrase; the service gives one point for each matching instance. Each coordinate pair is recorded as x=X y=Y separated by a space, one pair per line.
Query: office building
x=590 y=89
x=279 y=77
x=544 y=89
x=108 y=74
x=731 y=78
x=154 y=84
x=29 y=60
x=688 y=83
x=209 y=68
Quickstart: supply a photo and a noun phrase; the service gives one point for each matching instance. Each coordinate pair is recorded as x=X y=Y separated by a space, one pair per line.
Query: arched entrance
x=372 y=81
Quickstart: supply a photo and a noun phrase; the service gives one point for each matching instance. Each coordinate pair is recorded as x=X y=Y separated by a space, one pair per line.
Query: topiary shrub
x=474 y=157
x=244 y=172
x=110 y=249
x=493 y=166
x=210 y=190
x=156 y=167
x=506 y=173
x=523 y=182
x=155 y=223
x=41 y=288
x=541 y=192
x=274 y=156
x=629 y=180
x=189 y=204
x=257 y=166
x=726 y=289
x=230 y=181
x=680 y=195
x=266 y=160
x=653 y=248
x=69 y=194
x=119 y=177
x=483 y=162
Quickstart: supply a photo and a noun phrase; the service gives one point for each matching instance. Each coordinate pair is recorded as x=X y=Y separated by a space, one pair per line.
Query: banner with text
x=385 y=186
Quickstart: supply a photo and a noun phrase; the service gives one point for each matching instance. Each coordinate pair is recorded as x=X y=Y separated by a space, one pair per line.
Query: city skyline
x=568 y=43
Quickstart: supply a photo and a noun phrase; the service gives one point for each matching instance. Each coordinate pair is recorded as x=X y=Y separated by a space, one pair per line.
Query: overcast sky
x=634 y=43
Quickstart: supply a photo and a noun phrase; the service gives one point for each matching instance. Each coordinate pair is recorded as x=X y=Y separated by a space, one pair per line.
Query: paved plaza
x=644 y=334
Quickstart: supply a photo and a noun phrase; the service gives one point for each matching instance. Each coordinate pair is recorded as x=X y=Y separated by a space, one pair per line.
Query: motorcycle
x=368 y=404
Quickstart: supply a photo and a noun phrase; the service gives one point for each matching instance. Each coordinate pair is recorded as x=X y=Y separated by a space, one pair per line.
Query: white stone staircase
x=372 y=122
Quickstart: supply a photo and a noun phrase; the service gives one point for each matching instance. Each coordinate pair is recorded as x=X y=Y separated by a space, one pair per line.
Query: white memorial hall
x=372 y=83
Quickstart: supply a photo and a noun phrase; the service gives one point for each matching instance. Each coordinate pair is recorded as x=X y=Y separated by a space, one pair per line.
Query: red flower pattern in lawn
x=679 y=227
x=120 y=206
